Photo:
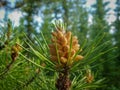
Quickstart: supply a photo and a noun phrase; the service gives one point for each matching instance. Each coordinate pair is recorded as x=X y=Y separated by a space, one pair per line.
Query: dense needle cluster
x=64 y=47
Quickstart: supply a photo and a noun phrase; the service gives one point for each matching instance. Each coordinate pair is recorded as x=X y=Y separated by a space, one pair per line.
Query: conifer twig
x=14 y=54
x=63 y=82
x=6 y=69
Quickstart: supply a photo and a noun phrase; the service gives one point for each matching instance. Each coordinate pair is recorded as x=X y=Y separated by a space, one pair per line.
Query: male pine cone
x=64 y=47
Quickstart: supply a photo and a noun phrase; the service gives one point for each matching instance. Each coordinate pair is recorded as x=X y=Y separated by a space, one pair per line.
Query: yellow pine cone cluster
x=64 y=47
x=14 y=51
x=89 y=77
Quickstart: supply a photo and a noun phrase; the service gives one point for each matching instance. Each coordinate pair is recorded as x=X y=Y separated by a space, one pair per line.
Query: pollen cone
x=64 y=47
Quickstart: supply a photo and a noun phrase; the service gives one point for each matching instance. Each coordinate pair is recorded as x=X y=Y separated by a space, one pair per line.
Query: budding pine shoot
x=64 y=47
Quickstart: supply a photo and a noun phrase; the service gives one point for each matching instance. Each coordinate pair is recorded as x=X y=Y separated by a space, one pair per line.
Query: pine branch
x=63 y=82
x=5 y=71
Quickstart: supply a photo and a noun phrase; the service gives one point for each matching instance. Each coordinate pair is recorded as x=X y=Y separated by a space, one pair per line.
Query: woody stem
x=63 y=82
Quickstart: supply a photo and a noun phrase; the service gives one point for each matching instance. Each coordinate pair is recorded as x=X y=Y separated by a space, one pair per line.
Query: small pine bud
x=66 y=48
x=63 y=60
x=89 y=76
x=68 y=36
x=14 y=51
x=78 y=57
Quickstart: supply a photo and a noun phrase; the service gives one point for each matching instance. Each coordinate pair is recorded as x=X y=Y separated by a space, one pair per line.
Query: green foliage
x=33 y=70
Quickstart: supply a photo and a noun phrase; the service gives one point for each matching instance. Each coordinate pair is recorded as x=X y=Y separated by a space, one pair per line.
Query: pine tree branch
x=5 y=71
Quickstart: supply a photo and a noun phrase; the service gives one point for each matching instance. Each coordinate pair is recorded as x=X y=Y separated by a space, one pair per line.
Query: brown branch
x=6 y=69
x=63 y=82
